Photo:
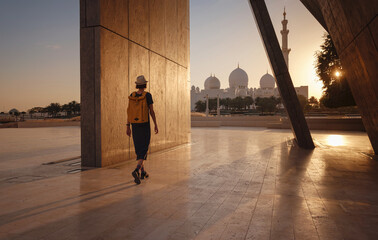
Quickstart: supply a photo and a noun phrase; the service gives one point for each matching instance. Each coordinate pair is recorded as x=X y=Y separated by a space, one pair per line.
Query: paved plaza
x=228 y=183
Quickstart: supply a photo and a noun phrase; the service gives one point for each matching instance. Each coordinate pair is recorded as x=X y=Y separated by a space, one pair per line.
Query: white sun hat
x=141 y=80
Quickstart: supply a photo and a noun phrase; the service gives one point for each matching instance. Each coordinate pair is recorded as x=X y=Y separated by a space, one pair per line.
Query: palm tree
x=31 y=112
x=74 y=107
x=267 y=104
x=248 y=101
x=200 y=106
x=227 y=103
x=239 y=103
x=67 y=109
x=53 y=109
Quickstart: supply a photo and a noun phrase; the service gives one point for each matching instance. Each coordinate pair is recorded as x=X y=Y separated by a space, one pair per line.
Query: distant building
x=238 y=81
x=14 y=111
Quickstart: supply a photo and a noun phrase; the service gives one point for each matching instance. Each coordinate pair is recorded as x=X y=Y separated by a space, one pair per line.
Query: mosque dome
x=13 y=111
x=212 y=82
x=238 y=78
x=267 y=81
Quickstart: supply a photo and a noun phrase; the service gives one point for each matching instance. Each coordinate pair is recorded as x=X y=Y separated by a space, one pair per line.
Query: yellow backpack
x=137 y=112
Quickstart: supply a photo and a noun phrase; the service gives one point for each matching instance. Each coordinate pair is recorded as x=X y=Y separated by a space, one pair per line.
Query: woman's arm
x=152 y=113
x=128 y=130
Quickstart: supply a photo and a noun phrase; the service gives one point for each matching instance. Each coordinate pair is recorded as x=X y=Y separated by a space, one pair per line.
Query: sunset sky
x=39 y=47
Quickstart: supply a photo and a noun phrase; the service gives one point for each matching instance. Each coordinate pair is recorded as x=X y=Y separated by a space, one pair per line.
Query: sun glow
x=335 y=140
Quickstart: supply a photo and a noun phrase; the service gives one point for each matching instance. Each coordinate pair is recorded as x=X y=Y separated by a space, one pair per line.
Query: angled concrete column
x=283 y=79
x=314 y=8
x=353 y=26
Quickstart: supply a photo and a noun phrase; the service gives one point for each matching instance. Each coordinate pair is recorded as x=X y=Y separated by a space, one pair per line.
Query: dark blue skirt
x=141 y=137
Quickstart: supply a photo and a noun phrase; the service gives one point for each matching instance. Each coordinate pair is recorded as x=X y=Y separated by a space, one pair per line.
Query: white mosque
x=238 y=81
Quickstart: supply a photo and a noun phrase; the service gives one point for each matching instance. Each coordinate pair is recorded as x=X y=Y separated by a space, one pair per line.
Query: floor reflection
x=231 y=183
x=335 y=140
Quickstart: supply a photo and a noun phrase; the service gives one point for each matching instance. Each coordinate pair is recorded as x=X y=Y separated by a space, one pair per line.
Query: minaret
x=284 y=33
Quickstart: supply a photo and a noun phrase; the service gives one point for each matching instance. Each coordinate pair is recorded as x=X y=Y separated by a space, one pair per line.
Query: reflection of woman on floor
x=140 y=125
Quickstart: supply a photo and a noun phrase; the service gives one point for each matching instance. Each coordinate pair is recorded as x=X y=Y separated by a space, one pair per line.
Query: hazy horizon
x=40 y=51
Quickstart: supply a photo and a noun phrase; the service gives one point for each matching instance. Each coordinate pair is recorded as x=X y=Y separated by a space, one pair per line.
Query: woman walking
x=138 y=115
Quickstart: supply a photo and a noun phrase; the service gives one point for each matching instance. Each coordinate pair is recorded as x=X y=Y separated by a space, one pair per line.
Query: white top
x=267 y=81
x=212 y=82
x=238 y=78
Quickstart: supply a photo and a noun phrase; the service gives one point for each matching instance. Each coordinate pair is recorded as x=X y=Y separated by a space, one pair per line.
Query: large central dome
x=212 y=83
x=238 y=78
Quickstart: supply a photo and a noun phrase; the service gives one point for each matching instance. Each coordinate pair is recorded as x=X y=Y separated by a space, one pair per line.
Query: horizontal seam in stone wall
x=359 y=33
x=138 y=44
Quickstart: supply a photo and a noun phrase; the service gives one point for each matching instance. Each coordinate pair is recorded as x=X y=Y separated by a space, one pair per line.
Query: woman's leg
x=135 y=173
x=143 y=173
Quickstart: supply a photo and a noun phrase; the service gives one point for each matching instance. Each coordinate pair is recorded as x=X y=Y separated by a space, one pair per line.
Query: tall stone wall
x=121 y=39
x=353 y=26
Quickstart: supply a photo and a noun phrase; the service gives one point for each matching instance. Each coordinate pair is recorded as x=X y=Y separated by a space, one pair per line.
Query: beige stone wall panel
x=183 y=106
x=139 y=22
x=361 y=14
x=137 y=37
x=87 y=96
x=171 y=29
x=158 y=91
x=92 y=12
x=350 y=24
x=337 y=23
x=359 y=63
x=115 y=16
x=183 y=32
x=114 y=92
x=157 y=26
x=83 y=20
x=171 y=105
x=97 y=81
x=369 y=55
x=373 y=27
x=139 y=64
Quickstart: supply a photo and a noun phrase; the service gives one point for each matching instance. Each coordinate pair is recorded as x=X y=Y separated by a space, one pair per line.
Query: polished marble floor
x=228 y=183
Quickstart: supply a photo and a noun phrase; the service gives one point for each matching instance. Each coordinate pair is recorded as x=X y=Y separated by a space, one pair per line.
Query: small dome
x=238 y=78
x=193 y=88
x=267 y=81
x=13 y=111
x=212 y=83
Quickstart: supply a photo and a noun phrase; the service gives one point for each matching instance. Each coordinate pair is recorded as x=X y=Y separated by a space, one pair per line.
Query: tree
x=302 y=101
x=212 y=104
x=266 y=104
x=312 y=104
x=200 y=106
x=31 y=112
x=35 y=110
x=74 y=107
x=226 y=103
x=328 y=67
x=67 y=109
x=313 y=101
x=248 y=101
x=238 y=103
x=53 y=109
